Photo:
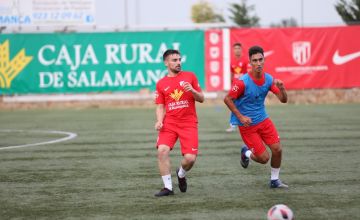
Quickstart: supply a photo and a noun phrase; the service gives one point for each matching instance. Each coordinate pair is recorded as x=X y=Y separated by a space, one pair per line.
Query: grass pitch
x=110 y=170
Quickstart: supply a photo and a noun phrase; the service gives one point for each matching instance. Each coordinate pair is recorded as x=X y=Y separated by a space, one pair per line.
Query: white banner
x=47 y=12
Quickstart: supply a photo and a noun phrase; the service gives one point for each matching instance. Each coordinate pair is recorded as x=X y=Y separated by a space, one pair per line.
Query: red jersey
x=238 y=66
x=238 y=87
x=180 y=105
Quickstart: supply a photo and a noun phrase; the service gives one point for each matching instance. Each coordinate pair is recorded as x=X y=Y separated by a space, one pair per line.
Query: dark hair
x=237 y=44
x=254 y=50
x=170 y=52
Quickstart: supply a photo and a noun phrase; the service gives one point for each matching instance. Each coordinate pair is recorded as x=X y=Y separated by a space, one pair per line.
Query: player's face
x=257 y=62
x=238 y=51
x=173 y=63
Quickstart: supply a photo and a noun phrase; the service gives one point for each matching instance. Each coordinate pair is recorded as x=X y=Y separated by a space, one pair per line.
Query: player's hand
x=187 y=87
x=246 y=121
x=158 y=125
x=279 y=83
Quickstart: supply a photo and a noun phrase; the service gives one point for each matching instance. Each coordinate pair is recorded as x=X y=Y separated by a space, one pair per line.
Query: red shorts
x=187 y=133
x=255 y=136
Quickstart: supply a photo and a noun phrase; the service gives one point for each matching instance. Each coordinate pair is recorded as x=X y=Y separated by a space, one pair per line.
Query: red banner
x=214 y=60
x=307 y=58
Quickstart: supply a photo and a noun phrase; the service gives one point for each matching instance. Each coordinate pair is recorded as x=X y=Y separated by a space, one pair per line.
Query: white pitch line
x=69 y=136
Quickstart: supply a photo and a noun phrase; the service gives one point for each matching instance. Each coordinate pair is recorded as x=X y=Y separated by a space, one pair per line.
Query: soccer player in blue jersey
x=246 y=102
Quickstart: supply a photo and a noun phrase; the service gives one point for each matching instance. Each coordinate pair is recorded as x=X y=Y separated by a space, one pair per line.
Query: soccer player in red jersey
x=238 y=67
x=176 y=117
x=238 y=64
x=246 y=102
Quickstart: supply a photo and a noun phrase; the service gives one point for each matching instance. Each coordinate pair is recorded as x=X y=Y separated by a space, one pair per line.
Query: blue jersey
x=252 y=102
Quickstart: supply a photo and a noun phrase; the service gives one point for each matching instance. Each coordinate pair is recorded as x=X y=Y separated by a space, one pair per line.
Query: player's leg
x=263 y=157
x=272 y=139
x=257 y=153
x=276 y=154
x=189 y=148
x=187 y=162
x=164 y=160
x=165 y=143
x=254 y=149
x=232 y=126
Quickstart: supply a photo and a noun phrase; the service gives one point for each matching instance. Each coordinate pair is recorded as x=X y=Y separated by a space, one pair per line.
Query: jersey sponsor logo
x=176 y=95
x=342 y=59
x=237 y=69
x=9 y=69
x=178 y=105
x=301 y=52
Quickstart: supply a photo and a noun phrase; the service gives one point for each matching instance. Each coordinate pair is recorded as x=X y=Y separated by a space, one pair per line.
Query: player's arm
x=195 y=89
x=229 y=101
x=160 y=114
x=160 y=108
x=236 y=91
x=282 y=95
x=198 y=95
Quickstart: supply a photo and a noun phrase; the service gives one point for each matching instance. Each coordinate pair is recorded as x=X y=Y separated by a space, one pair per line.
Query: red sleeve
x=195 y=83
x=159 y=96
x=274 y=89
x=237 y=89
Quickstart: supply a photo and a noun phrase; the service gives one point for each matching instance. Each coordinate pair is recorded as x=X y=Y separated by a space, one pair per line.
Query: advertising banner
x=93 y=62
x=307 y=58
x=47 y=12
x=214 y=60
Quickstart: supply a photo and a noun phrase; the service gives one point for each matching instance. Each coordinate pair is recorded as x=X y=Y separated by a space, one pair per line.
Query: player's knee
x=276 y=149
x=163 y=151
x=264 y=158
x=190 y=158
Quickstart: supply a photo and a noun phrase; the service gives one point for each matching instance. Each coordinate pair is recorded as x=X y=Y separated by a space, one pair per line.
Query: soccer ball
x=280 y=212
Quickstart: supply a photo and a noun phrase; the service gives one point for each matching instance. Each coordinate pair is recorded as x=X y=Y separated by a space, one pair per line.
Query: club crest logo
x=214 y=66
x=9 y=69
x=235 y=88
x=215 y=81
x=301 y=52
x=181 y=83
x=176 y=95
